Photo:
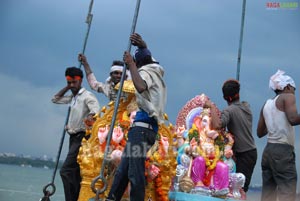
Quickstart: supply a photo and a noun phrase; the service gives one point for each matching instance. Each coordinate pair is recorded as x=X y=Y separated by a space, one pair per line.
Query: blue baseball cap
x=141 y=53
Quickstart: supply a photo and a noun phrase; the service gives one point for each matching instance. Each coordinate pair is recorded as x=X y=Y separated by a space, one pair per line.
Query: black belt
x=142 y=124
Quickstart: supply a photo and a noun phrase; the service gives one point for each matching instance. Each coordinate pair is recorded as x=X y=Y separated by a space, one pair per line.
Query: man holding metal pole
x=83 y=106
x=107 y=87
x=116 y=69
x=147 y=76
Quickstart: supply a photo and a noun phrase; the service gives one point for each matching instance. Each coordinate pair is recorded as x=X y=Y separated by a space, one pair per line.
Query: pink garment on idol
x=220 y=177
x=198 y=169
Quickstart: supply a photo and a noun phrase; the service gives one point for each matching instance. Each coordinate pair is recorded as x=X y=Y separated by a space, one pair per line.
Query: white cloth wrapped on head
x=279 y=81
x=118 y=68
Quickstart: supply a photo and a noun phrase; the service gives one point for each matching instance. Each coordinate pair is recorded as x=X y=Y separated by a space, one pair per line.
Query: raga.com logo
x=282 y=5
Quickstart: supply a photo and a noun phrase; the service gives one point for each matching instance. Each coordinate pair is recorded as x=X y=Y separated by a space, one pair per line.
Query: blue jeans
x=132 y=166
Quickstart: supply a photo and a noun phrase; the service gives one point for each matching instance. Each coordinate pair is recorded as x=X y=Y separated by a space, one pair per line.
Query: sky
x=196 y=41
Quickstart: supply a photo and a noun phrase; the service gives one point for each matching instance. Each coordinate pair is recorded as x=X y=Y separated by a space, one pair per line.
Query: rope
x=241 y=41
x=116 y=105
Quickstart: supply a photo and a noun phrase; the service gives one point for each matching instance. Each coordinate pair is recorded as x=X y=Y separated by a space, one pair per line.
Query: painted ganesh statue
x=204 y=160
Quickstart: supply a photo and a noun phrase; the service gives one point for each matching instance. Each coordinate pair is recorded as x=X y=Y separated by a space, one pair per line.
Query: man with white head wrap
x=107 y=87
x=279 y=80
x=117 y=68
x=277 y=118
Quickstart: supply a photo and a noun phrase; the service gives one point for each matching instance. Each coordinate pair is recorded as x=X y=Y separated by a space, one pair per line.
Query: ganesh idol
x=208 y=170
x=204 y=156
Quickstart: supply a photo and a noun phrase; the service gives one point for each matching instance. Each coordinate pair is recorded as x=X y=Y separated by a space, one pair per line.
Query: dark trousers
x=70 y=171
x=132 y=166
x=245 y=163
x=279 y=173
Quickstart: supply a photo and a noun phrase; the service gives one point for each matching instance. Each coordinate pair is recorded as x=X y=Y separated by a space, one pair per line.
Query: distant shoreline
x=28 y=162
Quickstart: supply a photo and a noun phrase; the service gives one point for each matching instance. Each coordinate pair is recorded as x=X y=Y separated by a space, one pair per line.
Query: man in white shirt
x=115 y=74
x=107 y=87
x=83 y=106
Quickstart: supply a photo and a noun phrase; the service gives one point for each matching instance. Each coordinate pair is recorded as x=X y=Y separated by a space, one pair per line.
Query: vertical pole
x=241 y=41
x=88 y=20
x=117 y=101
x=48 y=193
x=116 y=106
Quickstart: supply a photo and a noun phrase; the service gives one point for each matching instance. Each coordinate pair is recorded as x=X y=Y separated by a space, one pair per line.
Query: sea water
x=27 y=183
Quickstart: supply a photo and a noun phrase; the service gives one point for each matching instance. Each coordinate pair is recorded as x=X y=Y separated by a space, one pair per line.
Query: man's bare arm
x=290 y=109
x=261 y=125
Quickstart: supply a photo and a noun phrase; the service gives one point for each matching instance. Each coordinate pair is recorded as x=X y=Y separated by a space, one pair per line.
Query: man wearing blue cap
x=147 y=77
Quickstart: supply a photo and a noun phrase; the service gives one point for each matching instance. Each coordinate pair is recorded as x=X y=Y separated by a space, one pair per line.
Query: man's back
x=237 y=117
